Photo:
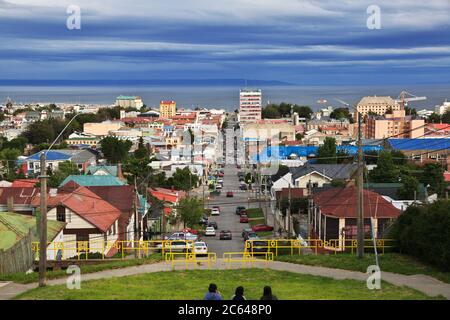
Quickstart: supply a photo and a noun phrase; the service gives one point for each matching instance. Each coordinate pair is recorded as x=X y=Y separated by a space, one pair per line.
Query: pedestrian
x=267 y=294
x=213 y=293
x=239 y=294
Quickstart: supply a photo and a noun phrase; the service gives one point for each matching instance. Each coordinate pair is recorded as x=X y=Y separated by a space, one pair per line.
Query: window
x=61 y=213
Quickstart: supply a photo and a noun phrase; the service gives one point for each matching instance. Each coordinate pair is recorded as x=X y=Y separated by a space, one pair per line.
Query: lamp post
x=43 y=210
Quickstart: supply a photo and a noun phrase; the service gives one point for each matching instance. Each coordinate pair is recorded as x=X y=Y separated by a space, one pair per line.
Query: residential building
x=335 y=216
x=83 y=139
x=316 y=175
x=167 y=108
x=437 y=130
x=102 y=129
x=250 y=102
x=422 y=150
x=396 y=124
x=440 y=110
x=377 y=105
x=82 y=158
x=129 y=101
x=91 y=180
x=18 y=199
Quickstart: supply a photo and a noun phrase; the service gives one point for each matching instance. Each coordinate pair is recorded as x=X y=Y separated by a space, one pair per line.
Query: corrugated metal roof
x=420 y=144
x=91 y=180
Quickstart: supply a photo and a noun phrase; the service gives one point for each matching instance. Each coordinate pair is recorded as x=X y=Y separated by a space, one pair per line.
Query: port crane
x=404 y=97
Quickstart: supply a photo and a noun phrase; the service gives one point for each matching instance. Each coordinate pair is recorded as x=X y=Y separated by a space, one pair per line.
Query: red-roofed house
x=90 y=220
x=169 y=197
x=24 y=183
x=335 y=213
x=18 y=199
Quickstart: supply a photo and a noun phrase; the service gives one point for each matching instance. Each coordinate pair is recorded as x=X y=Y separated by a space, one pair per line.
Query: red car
x=243 y=219
x=189 y=230
x=229 y=194
x=262 y=227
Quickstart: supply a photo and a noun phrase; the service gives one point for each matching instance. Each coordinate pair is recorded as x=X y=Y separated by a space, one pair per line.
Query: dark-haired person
x=239 y=294
x=267 y=294
x=213 y=293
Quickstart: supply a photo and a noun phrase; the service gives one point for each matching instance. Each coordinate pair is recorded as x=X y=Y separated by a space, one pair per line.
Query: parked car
x=243 y=187
x=262 y=227
x=245 y=231
x=200 y=248
x=230 y=194
x=258 y=246
x=176 y=246
x=215 y=212
x=183 y=236
x=213 y=224
x=216 y=207
x=238 y=166
x=250 y=236
x=219 y=187
x=240 y=210
x=203 y=220
x=210 y=231
x=189 y=230
x=243 y=218
x=225 y=235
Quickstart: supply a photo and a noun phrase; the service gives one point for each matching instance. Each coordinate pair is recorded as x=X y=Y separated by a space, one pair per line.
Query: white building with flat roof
x=250 y=102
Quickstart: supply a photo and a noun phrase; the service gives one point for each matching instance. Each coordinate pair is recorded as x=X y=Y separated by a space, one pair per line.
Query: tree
x=399 y=157
x=183 y=179
x=341 y=114
x=18 y=143
x=115 y=150
x=65 y=169
x=327 y=152
x=446 y=117
x=409 y=188
x=141 y=152
x=434 y=118
x=190 y=210
x=8 y=158
x=423 y=232
x=370 y=157
x=271 y=112
x=433 y=176
x=299 y=136
x=303 y=111
x=386 y=170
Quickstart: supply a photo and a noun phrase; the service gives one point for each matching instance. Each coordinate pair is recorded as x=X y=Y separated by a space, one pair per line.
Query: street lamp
x=43 y=210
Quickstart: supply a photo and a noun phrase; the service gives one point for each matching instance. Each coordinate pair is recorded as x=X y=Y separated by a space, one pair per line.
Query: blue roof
x=283 y=152
x=93 y=181
x=51 y=156
x=420 y=144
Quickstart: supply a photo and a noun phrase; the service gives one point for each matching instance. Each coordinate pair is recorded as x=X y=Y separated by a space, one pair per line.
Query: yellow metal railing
x=68 y=249
x=189 y=257
x=278 y=246
x=247 y=257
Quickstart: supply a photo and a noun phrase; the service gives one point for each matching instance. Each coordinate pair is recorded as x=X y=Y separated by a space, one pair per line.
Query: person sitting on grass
x=267 y=294
x=238 y=294
x=213 y=293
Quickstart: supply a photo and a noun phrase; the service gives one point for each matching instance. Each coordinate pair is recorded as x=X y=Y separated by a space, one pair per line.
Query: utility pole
x=359 y=184
x=310 y=208
x=43 y=224
x=289 y=212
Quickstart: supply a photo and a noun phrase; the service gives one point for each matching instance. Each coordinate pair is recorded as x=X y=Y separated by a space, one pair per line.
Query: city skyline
x=299 y=42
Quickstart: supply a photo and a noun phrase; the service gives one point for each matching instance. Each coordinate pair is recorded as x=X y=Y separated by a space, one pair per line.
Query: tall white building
x=442 y=108
x=250 y=102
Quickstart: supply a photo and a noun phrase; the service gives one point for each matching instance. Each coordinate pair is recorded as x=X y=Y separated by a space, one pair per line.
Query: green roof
x=126 y=98
x=93 y=181
x=14 y=226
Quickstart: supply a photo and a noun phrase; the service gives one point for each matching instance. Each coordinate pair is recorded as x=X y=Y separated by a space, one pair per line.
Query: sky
x=295 y=41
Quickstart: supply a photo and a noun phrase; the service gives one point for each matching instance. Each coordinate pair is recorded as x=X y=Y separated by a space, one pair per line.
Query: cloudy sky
x=297 y=41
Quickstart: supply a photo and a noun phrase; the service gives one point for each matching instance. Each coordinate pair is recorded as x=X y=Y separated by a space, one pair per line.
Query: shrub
x=424 y=232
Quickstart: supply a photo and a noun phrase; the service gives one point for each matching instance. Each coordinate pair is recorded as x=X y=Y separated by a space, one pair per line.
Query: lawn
x=255 y=213
x=390 y=262
x=192 y=284
x=22 y=277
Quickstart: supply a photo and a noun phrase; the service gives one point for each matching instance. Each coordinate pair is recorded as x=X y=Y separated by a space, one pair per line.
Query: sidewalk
x=422 y=283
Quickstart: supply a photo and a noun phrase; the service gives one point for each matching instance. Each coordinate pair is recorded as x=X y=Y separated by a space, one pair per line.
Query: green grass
x=193 y=284
x=255 y=213
x=390 y=262
x=22 y=277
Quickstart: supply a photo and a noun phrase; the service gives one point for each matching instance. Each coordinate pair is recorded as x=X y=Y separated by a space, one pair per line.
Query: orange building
x=395 y=124
x=167 y=109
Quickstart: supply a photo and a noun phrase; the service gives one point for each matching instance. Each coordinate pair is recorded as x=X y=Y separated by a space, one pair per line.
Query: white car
x=176 y=246
x=200 y=247
x=210 y=231
x=215 y=212
x=183 y=236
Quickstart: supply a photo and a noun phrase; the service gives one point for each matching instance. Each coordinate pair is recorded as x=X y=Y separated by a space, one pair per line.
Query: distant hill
x=158 y=82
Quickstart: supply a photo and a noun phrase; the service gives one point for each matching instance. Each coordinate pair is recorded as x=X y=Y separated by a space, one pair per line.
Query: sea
x=219 y=96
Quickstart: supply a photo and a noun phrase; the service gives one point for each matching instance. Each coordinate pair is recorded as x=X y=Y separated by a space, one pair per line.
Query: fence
x=189 y=258
x=18 y=258
x=247 y=257
x=86 y=249
x=291 y=246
